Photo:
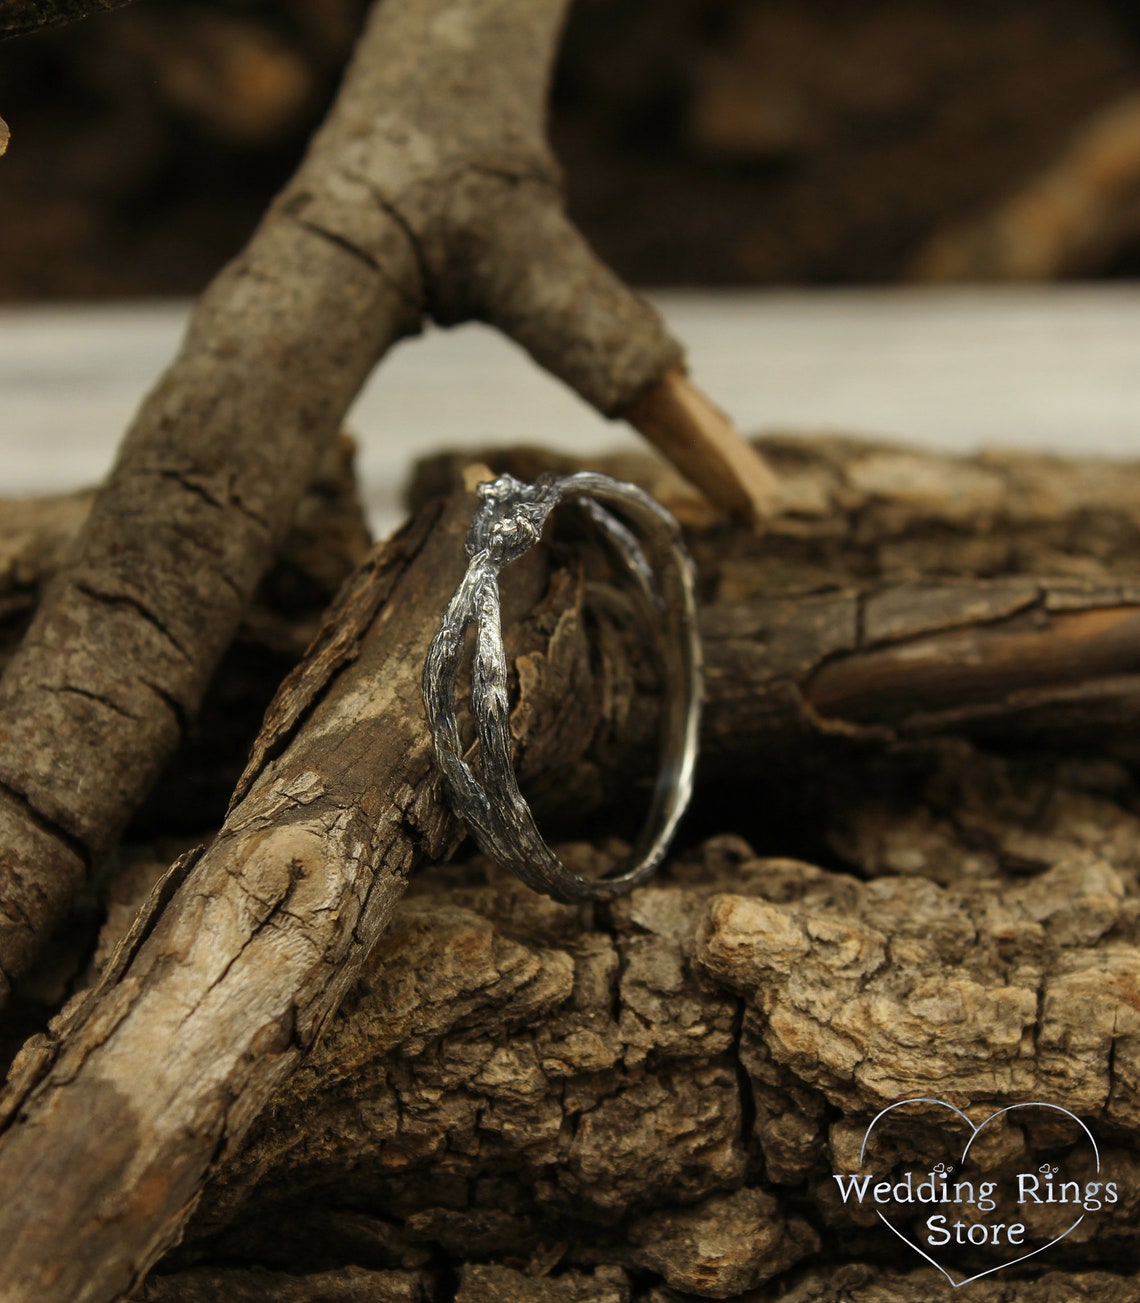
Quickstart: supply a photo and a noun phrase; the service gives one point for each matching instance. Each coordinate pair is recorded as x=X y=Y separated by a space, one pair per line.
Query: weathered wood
x=266 y=931
x=669 y=1084
x=327 y=539
x=246 y=948
x=853 y=1283
x=509 y=1073
x=429 y=191
x=872 y=612
x=903 y=594
x=348 y=1285
x=866 y=1284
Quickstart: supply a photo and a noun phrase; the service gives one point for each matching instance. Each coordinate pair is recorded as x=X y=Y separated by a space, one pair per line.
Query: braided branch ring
x=507 y=523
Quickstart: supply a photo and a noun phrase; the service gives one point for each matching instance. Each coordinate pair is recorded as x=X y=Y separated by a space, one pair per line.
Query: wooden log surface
x=905 y=594
x=508 y=1075
x=668 y=1086
x=235 y=976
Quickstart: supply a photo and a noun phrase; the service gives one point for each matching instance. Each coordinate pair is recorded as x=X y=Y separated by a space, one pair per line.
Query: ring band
x=646 y=541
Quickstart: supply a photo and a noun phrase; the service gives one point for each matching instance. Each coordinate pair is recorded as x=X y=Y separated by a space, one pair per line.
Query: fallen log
x=508 y=1074
x=246 y=948
x=902 y=596
x=266 y=931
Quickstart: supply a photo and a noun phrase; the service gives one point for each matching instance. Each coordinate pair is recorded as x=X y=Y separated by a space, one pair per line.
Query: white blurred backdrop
x=1054 y=368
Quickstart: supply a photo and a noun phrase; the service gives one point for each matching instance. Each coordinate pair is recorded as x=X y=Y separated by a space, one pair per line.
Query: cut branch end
x=704 y=445
x=475 y=474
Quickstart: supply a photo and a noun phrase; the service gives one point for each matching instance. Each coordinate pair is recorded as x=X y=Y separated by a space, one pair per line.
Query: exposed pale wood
x=429 y=190
x=243 y=954
x=705 y=447
x=146 y=1088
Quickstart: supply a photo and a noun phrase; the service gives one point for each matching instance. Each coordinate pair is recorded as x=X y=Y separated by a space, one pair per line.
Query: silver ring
x=508 y=522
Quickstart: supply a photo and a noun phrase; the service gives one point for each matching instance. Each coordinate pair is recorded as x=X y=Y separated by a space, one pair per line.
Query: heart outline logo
x=974 y=1132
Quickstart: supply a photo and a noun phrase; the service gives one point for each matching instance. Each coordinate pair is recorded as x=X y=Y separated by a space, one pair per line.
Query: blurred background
x=907 y=219
x=706 y=142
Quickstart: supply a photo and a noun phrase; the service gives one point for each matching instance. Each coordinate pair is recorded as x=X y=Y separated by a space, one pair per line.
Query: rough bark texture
x=667 y=1087
x=246 y=948
x=566 y=1103
x=349 y=1285
x=428 y=191
x=494 y=1284
x=902 y=595
x=327 y=539
x=267 y=929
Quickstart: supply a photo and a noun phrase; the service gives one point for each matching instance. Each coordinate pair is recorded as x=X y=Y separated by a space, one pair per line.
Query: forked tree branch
x=429 y=190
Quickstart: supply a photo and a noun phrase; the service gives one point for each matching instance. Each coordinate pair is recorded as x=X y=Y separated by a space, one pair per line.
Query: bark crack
x=341 y=242
x=45 y=824
x=420 y=302
x=233 y=501
x=176 y=708
x=96 y=697
x=135 y=604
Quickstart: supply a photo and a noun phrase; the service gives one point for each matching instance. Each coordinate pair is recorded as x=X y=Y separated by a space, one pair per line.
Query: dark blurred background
x=726 y=142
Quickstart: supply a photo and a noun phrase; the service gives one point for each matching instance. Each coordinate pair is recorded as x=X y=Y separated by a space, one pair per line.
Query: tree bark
x=429 y=191
x=267 y=928
x=903 y=595
x=539 y=1055
x=245 y=949
x=668 y=1086
x=874 y=611
x=327 y=539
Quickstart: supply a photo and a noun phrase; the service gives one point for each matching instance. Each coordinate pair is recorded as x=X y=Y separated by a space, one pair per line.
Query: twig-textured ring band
x=646 y=543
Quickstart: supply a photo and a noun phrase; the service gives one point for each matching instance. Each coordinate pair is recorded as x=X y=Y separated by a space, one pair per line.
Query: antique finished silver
x=646 y=544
